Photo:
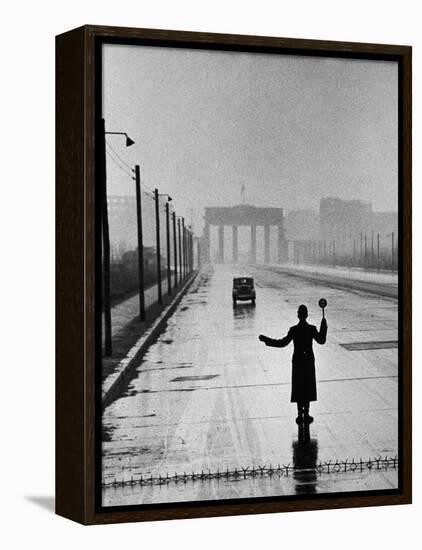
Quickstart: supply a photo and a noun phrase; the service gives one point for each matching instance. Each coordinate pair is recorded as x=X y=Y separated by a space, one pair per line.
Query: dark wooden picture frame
x=78 y=400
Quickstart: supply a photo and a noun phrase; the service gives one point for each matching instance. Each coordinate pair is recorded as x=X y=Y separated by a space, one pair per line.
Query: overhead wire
x=119 y=157
x=122 y=168
x=126 y=168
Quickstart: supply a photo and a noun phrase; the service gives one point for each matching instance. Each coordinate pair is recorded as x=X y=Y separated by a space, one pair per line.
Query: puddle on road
x=194 y=378
x=372 y=345
x=106 y=433
x=181 y=366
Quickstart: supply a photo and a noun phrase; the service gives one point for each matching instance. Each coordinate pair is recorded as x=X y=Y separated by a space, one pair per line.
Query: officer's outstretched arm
x=276 y=343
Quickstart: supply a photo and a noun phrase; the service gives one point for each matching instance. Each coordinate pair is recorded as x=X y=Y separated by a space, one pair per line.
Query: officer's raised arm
x=321 y=336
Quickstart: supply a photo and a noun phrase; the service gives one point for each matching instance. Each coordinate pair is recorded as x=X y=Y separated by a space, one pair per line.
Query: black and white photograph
x=250 y=276
x=209 y=241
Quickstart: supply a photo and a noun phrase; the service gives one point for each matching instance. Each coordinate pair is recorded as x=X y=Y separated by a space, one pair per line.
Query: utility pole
x=106 y=231
x=140 y=244
x=184 y=247
x=106 y=244
x=191 y=250
x=168 y=248
x=378 y=251
x=187 y=252
x=175 y=248
x=157 y=227
x=354 y=251
x=392 y=251
x=180 y=251
x=372 y=249
x=366 y=252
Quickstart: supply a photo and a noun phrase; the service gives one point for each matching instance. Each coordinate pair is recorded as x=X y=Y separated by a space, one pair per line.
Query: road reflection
x=243 y=316
x=305 y=458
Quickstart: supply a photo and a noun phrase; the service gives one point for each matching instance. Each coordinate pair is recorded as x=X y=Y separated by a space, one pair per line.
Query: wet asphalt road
x=209 y=395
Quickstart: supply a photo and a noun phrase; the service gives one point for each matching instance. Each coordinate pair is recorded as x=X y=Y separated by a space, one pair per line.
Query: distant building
x=122 y=222
x=340 y=219
x=302 y=225
x=384 y=223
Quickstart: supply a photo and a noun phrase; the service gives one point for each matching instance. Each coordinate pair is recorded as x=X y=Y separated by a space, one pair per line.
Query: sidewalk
x=124 y=312
x=127 y=328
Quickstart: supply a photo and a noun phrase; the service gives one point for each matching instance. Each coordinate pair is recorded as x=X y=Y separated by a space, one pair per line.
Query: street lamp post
x=180 y=251
x=184 y=247
x=169 y=199
x=157 y=228
x=168 y=249
x=392 y=251
x=106 y=235
x=188 y=249
x=372 y=248
x=140 y=245
x=366 y=252
x=175 y=248
x=129 y=141
x=192 y=253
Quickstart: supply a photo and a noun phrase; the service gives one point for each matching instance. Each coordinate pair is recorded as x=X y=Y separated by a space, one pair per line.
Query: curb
x=113 y=383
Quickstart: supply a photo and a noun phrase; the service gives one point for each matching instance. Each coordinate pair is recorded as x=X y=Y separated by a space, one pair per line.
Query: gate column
x=235 y=244
x=221 y=243
x=253 y=244
x=267 y=244
x=207 y=242
x=281 y=245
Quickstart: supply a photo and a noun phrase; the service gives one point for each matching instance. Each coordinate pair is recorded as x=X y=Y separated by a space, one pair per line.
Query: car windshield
x=243 y=281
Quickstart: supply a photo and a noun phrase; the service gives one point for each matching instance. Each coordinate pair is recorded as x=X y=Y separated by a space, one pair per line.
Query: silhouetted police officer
x=303 y=361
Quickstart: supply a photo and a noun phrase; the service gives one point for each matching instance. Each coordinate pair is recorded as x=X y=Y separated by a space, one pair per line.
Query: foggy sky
x=292 y=129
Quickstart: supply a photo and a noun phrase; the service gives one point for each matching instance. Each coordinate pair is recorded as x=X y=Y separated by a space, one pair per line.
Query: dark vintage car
x=243 y=289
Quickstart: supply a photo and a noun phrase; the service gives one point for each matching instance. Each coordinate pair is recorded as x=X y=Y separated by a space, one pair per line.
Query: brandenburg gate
x=245 y=215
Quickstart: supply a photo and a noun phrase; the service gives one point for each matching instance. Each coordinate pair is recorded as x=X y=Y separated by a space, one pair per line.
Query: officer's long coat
x=303 y=360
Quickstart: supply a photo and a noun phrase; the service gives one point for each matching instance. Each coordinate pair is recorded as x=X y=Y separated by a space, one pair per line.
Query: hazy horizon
x=290 y=129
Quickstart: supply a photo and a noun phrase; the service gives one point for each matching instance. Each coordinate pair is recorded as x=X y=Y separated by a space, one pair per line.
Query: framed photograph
x=233 y=274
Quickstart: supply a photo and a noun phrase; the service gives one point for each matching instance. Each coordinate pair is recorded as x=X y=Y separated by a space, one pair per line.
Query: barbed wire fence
x=256 y=471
